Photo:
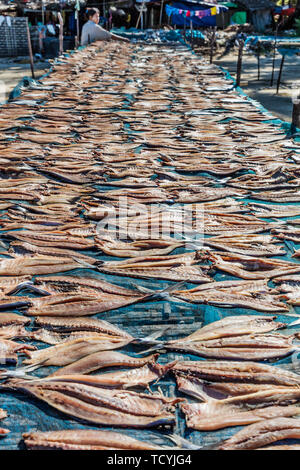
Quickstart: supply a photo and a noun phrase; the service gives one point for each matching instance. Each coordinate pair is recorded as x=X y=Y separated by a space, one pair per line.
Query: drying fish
x=238 y=374
x=234 y=326
x=67 y=325
x=58 y=240
x=73 y=350
x=101 y=360
x=100 y=405
x=252 y=268
x=37 y=264
x=271 y=210
x=137 y=248
x=219 y=414
x=173 y=267
x=246 y=244
x=262 y=434
x=138 y=377
x=84 y=439
x=255 y=295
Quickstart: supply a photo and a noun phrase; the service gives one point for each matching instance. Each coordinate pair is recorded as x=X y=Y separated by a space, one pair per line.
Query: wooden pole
x=61 y=33
x=161 y=12
x=239 y=62
x=30 y=49
x=43 y=12
x=296 y=114
x=212 y=45
x=280 y=74
x=258 y=64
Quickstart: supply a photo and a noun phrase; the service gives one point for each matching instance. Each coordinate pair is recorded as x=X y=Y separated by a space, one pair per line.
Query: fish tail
x=183 y=443
x=154 y=349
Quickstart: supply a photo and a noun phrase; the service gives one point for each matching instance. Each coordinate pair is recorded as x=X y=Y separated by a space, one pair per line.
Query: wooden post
x=30 y=49
x=239 y=62
x=258 y=64
x=161 y=12
x=61 y=34
x=43 y=12
x=212 y=45
x=296 y=114
x=280 y=74
x=77 y=27
x=274 y=55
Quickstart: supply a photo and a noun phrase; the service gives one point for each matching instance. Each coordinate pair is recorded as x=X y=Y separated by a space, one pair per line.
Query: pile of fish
x=135 y=179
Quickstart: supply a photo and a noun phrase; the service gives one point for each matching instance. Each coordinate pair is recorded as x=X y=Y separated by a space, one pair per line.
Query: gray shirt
x=93 y=32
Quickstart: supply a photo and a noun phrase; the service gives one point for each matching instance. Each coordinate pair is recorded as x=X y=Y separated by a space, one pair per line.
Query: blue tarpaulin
x=180 y=20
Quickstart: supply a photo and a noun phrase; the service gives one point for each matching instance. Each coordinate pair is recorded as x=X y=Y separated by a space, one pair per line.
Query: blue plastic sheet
x=27 y=414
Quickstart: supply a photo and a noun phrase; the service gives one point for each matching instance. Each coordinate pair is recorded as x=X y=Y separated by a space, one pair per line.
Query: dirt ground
x=280 y=105
x=13 y=70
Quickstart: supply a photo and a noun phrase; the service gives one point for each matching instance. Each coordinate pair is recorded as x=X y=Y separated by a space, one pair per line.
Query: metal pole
x=239 y=62
x=280 y=74
x=30 y=49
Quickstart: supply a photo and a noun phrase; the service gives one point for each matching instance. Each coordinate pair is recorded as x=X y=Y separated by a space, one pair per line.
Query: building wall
x=13 y=39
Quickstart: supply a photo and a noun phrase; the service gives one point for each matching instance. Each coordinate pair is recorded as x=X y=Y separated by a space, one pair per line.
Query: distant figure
x=92 y=32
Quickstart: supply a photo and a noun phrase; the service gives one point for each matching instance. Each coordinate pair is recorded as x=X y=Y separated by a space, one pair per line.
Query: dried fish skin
x=238 y=372
x=137 y=377
x=77 y=324
x=245 y=347
x=234 y=326
x=71 y=351
x=38 y=264
x=79 y=304
x=262 y=434
x=215 y=414
x=148 y=410
x=86 y=439
x=101 y=360
x=254 y=294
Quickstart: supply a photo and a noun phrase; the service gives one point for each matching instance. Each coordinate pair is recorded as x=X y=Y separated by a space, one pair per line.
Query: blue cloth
x=180 y=20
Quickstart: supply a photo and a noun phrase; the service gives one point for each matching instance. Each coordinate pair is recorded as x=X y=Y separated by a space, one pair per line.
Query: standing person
x=91 y=30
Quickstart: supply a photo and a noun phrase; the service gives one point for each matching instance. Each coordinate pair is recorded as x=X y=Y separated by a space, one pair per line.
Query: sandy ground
x=12 y=71
x=280 y=105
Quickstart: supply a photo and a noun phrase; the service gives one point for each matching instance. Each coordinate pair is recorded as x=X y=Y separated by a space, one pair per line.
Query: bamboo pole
x=239 y=62
x=30 y=49
x=61 y=33
x=280 y=74
x=296 y=114
x=161 y=12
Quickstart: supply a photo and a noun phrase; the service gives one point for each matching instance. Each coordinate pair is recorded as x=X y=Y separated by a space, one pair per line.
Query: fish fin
x=289 y=246
x=294 y=323
x=164 y=294
x=83 y=263
x=153 y=336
